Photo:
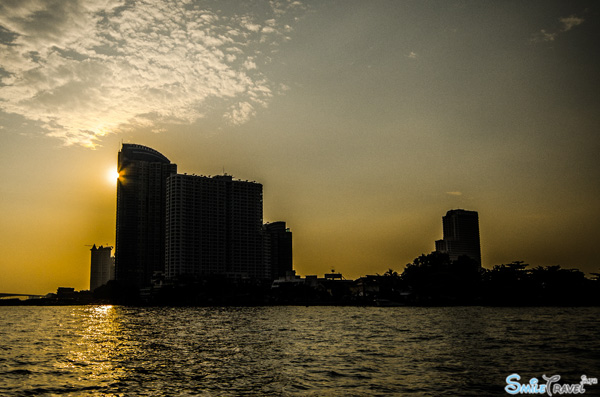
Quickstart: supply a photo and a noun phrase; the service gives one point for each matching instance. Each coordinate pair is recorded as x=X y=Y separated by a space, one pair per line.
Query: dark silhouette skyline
x=200 y=240
x=217 y=251
x=172 y=226
x=430 y=280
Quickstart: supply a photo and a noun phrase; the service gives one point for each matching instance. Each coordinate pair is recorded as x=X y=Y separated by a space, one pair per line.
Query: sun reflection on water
x=96 y=356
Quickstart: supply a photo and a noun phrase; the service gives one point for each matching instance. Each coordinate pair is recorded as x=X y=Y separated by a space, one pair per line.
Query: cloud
x=412 y=55
x=545 y=36
x=249 y=64
x=567 y=23
x=454 y=193
x=570 y=22
x=240 y=113
x=87 y=68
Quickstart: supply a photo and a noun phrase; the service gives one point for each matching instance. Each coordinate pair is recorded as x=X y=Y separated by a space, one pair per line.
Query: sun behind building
x=190 y=226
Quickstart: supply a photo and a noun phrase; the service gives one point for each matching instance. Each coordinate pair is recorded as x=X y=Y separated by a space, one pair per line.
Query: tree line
x=435 y=279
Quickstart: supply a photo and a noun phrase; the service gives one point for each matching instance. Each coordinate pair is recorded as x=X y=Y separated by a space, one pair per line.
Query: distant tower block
x=102 y=268
x=461 y=235
x=277 y=248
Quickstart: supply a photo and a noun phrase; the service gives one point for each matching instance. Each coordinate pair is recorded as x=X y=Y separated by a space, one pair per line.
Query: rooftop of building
x=222 y=177
x=134 y=151
x=461 y=211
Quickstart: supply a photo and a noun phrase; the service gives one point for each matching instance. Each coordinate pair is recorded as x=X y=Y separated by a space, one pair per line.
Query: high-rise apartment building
x=277 y=243
x=102 y=266
x=141 y=210
x=461 y=235
x=213 y=227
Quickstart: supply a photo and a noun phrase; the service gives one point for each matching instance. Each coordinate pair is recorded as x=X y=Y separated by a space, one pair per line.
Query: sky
x=365 y=121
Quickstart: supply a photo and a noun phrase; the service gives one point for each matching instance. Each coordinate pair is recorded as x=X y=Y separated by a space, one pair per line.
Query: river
x=291 y=351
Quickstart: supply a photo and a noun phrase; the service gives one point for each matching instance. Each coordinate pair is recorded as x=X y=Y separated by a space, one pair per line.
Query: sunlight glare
x=113 y=175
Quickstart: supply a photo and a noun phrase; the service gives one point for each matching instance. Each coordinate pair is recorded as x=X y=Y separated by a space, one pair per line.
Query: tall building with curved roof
x=141 y=210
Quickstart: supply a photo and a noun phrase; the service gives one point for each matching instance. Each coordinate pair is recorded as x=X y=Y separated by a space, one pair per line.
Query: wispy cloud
x=239 y=113
x=86 y=68
x=570 y=22
x=567 y=24
x=454 y=193
x=542 y=35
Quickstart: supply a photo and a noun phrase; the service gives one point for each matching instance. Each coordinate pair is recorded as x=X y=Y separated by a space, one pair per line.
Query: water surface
x=356 y=351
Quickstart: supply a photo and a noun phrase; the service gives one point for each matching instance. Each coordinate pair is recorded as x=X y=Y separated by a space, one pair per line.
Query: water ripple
x=274 y=351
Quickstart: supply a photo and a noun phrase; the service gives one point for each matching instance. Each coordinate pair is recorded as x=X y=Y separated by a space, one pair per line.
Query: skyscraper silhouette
x=277 y=243
x=141 y=210
x=461 y=235
x=102 y=267
x=214 y=227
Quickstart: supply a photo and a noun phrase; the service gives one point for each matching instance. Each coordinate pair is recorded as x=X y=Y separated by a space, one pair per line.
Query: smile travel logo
x=550 y=388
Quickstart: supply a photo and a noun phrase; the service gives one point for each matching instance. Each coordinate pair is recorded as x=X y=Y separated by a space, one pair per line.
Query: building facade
x=277 y=249
x=461 y=235
x=102 y=266
x=213 y=227
x=141 y=210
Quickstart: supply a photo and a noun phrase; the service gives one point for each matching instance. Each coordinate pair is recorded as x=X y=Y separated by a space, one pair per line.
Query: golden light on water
x=102 y=309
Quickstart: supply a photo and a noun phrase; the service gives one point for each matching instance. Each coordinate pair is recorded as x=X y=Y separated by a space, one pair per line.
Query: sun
x=113 y=175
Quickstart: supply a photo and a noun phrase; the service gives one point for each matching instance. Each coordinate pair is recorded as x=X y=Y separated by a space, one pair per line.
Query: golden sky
x=364 y=121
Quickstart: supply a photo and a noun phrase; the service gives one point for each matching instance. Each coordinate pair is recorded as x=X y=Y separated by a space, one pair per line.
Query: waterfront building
x=102 y=266
x=214 y=227
x=277 y=248
x=141 y=209
x=460 y=235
